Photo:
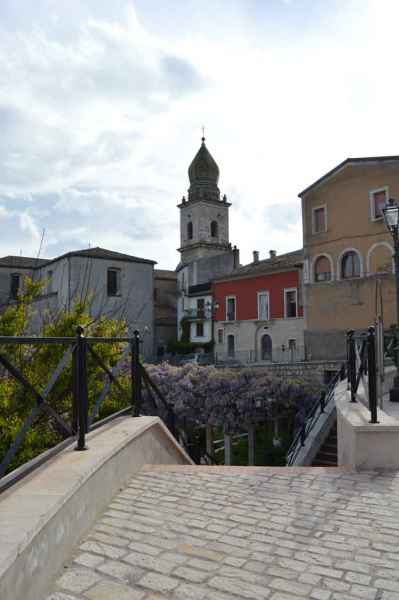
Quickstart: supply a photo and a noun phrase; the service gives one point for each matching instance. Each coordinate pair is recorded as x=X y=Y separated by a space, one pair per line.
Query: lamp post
x=212 y=307
x=391 y=219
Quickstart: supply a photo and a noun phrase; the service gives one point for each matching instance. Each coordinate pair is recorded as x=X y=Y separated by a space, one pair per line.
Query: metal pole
x=81 y=389
x=136 y=372
x=372 y=374
x=394 y=392
x=351 y=364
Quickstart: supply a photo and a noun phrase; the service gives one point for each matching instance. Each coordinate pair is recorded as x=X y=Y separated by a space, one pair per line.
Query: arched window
x=379 y=258
x=214 y=229
x=266 y=347
x=189 y=230
x=322 y=269
x=350 y=265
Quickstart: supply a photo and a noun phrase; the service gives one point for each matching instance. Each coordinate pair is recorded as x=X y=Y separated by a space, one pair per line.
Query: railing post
x=136 y=373
x=251 y=445
x=227 y=449
x=80 y=389
x=372 y=374
x=209 y=440
x=351 y=364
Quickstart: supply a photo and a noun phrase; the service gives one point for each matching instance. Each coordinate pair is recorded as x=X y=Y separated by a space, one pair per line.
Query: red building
x=259 y=314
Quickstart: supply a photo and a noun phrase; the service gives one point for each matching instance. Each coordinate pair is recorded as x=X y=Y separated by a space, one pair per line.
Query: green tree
x=37 y=362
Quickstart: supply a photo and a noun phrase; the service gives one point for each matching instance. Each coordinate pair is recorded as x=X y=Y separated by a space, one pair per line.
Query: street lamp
x=391 y=219
x=212 y=307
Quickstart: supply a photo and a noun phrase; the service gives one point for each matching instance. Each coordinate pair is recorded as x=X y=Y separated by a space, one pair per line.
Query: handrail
x=363 y=362
x=312 y=416
x=81 y=422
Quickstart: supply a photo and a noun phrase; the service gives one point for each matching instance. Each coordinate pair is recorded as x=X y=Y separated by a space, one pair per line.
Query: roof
x=345 y=163
x=164 y=274
x=98 y=252
x=269 y=265
x=22 y=262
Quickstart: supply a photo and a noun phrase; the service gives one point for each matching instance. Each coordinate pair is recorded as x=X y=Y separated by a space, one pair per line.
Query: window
x=230 y=309
x=291 y=344
x=322 y=269
x=220 y=336
x=189 y=230
x=199 y=329
x=319 y=219
x=156 y=294
x=263 y=306
x=290 y=303
x=201 y=308
x=15 y=282
x=113 y=282
x=378 y=200
x=350 y=265
x=214 y=229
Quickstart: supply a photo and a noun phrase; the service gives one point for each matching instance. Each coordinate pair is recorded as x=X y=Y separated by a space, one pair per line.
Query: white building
x=116 y=285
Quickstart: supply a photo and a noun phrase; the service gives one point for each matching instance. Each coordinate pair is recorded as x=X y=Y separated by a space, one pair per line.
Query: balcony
x=195 y=314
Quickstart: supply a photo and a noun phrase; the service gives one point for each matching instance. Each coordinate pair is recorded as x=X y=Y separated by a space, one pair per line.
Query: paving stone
x=103 y=549
x=88 y=560
x=77 y=580
x=109 y=590
x=241 y=588
x=294 y=587
x=150 y=562
x=195 y=575
x=121 y=570
x=159 y=583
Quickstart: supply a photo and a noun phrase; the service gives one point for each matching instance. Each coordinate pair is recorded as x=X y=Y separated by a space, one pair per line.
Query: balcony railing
x=197 y=313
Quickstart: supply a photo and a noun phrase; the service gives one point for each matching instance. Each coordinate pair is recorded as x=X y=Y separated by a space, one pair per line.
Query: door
x=266 y=347
x=230 y=346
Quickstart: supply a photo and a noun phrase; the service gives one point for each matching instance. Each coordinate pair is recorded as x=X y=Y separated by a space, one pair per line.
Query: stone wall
x=319 y=370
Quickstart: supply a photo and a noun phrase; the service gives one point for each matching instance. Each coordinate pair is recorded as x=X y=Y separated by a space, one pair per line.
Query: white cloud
x=100 y=115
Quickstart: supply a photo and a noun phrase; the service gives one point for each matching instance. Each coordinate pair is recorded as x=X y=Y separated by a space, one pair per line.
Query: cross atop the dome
x=203 y=133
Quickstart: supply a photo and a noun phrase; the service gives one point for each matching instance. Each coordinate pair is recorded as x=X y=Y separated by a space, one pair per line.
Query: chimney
x=256 y=256
x=236 y=257
x=272 y=253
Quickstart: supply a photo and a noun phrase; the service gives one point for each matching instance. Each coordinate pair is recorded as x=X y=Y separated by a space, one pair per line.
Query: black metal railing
x=82 y=420
x=362 y=361
x=310 y=418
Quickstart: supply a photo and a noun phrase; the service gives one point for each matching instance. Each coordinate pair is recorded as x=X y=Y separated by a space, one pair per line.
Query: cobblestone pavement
x=206 y=533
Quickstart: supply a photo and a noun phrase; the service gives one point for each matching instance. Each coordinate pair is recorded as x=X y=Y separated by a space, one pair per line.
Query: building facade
x=259 y=316
x=165 y=310
x=115 y=285
x=205 y=248
x=348 y=266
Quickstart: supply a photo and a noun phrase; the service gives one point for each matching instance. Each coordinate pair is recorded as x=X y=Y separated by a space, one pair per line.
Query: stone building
x=205 y=248
x=259 y=316
x=165 y=310
x=117 y=286
x=348 y=265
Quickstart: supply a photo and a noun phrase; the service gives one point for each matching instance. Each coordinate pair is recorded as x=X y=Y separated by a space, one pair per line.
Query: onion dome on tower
x=204 y=176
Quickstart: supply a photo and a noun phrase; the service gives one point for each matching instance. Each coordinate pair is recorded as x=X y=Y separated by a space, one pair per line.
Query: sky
x=102 y=104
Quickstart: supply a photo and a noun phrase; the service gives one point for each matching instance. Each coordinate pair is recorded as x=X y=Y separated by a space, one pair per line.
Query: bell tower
x=204 y=216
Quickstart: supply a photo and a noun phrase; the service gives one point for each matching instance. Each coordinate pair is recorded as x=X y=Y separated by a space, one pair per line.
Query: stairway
x=327 y=456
